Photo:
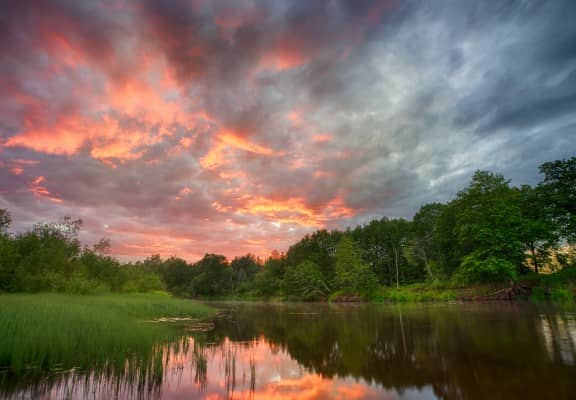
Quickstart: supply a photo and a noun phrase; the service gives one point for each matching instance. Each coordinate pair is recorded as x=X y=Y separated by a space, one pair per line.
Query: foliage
x=424 y=228
x=559 y=295
x=305 y=282
x=538 y=294
x=243 y=271
x=489 y=228
x=212 y=276
x=559 y=191
x=50 y=258
x=352 y=274
x=539 y=231
x=476 y=267
x=5 y=221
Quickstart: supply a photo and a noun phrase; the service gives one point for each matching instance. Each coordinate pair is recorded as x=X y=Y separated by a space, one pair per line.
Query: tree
x=5 y=221
x=212 y=276
x=318 y=248
x=539 y=231
x=267 y=280
x=489 y=229
x=176 y=273
x=305 y=282
x=353 y=275
x=559 y=191
x=243 y=270
x=103 y=246
x=424 y=226
x=371 y=239
x=397 y=234
x=8 y=255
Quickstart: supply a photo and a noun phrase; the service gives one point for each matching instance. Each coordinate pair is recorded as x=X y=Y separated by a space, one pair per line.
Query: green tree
x=5 y=221
x=8 y=255
x=353 y=275
x=559 y=191
x=176 y=273
x=425 y=229
x=212 y=276
x=539 y=231
x=267 y=280
x=489 y=229
x=319 y=247
x=305 y=282
x=243 y=271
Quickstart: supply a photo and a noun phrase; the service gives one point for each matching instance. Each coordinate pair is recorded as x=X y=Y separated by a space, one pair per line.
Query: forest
x=490 y=232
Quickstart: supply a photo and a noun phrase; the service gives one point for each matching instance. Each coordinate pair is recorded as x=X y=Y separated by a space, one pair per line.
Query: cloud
x=232 y=127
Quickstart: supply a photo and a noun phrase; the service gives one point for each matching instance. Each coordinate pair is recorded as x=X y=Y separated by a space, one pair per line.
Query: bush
x=305 y=282
x=538 y=294
x=558 y=295
x=83 y=285
x=492 y=269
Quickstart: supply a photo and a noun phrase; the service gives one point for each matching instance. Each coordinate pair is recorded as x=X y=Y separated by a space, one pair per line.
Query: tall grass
x=103 y=336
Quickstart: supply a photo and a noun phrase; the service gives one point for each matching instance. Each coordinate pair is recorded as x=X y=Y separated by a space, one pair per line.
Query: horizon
x=238 y=127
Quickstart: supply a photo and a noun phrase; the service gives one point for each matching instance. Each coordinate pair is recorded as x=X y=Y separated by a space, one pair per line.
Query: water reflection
x=501 y=351
x=559 y=335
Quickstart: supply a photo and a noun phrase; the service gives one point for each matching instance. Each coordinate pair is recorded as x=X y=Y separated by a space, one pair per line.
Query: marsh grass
x=44 y=336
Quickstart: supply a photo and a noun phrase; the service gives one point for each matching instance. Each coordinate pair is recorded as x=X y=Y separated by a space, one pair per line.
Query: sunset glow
x=209 y=126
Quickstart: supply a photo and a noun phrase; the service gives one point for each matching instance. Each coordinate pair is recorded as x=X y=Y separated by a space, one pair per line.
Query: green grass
x=414 y=294
x=110 y=334
x=560 y=295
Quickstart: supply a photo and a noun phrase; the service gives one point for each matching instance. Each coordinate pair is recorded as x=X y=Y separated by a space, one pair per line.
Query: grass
x=44 y=333
x=414 y=294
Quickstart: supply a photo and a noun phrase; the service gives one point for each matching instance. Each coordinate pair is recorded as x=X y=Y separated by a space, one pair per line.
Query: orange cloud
x=17 y=170
x=65 y=136
x=239 y=142
x=39 y=190
x=295 y=210
x=226 y=139
x=324 y=137
x=287 y=52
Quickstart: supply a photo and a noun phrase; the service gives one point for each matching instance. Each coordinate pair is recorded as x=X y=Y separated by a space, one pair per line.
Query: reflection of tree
x=559 y=336
x=473 y=353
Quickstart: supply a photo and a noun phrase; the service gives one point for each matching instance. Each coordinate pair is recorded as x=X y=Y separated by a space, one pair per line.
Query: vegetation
x=48 y=333
x=491 y=233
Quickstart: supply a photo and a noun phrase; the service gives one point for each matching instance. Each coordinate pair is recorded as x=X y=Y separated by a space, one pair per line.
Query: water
x=460 y=351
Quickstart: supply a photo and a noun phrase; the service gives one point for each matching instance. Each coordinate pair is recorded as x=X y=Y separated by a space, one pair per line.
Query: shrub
x=538 y=294
x=492 y=269
x=305 y=282
x=561 y=295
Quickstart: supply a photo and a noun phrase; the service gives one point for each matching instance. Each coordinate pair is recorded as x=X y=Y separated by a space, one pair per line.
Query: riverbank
x=46 y=331
x=559 y=288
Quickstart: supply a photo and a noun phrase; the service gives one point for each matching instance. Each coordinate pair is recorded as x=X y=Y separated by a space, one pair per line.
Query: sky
x=232 y=127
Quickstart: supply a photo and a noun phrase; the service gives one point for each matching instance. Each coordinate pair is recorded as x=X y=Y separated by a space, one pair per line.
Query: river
x=319 y=351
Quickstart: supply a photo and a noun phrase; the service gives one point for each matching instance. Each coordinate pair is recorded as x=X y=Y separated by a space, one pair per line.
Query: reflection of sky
x=559 y=335
x=277 y=376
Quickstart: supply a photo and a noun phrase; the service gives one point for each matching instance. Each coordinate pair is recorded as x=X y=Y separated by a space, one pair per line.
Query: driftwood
x=514 y=292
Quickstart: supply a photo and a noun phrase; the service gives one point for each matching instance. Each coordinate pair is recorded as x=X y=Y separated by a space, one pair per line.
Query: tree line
x=491 y=231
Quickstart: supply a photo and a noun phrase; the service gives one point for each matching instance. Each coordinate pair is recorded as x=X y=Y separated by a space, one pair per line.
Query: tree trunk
x=428 y=270
x=396 y=263
x=534 y=257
